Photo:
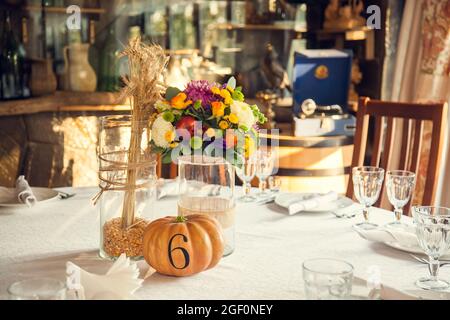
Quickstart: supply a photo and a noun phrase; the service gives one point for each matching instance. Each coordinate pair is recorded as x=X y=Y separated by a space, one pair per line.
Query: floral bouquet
x=205 y=118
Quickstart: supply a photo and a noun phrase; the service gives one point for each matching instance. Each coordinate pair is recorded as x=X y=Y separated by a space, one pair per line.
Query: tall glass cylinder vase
x=127 y=174
x=207 y=187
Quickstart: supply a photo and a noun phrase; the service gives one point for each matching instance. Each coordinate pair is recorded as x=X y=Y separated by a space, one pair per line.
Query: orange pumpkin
x=182 y=246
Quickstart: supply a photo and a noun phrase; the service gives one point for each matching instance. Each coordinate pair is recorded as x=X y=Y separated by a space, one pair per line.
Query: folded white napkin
x=312 y=203
x=168 y=187
x=349 y=211
x=404 y=236
x=119 y=282
x=24 y=193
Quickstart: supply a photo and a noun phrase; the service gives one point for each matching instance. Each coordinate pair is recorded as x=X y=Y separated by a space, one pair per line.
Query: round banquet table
x=266 y=263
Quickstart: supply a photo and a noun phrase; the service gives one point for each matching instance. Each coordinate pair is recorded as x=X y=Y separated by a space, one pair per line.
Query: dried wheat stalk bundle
x=143 y=86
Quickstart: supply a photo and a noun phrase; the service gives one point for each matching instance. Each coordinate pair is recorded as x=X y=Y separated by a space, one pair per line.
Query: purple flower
x=201 y=90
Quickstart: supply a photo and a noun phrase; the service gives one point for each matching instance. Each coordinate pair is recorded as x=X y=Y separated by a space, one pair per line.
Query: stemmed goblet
x=246 y=172
x=367 y=182
x=265 y=164
x=433 y=233
x=399 y=186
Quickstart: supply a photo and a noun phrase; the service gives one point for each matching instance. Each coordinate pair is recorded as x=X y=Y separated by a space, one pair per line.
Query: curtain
x=422 y=74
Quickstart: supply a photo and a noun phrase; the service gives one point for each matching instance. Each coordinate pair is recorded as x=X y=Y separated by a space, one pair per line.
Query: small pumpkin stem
x=180 y=219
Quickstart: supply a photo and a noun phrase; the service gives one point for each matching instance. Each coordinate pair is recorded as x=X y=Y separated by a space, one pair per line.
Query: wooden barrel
x=313 y=164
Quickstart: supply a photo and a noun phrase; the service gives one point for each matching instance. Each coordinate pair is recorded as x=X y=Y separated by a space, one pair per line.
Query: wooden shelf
x=62 y=10
x=237 y=26
x=281 y=27
x=65 y=101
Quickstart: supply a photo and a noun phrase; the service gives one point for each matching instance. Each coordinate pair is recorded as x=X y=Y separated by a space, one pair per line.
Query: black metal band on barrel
x=309 y=143
x=290 y=172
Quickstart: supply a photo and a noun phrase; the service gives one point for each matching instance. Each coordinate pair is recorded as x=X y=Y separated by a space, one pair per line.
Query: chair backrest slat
x=387 y=154
x=378 y=143
x=406 y=145
x=415 y=156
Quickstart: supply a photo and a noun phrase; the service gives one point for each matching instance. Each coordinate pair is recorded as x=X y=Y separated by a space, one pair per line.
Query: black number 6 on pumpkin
x=183 y=250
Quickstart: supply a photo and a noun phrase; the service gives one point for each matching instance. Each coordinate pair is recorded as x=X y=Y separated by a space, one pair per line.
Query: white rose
x=244 y=113
x=160 y=130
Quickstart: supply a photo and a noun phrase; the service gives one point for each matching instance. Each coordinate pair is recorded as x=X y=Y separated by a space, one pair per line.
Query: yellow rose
x=226 y=95
x=233 y=118
x=218 y=109
x=215 y=90
x=223 y=124
x=249 y=146
x=179 y=101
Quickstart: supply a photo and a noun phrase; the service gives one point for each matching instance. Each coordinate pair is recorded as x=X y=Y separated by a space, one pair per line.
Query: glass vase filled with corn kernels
x=127 y=174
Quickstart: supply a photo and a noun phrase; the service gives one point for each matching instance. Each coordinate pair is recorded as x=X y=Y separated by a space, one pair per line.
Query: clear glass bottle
x=12 y=62
x=109 y=78
x=127 y=185
x=207 y=187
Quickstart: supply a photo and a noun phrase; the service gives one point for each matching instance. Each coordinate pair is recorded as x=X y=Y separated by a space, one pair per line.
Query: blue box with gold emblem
x=322 y=75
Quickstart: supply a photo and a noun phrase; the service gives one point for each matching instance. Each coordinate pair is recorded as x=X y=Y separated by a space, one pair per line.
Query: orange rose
x=179 y=101
x=218 y=109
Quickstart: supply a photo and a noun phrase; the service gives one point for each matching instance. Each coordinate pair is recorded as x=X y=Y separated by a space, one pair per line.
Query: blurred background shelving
x=206 y=39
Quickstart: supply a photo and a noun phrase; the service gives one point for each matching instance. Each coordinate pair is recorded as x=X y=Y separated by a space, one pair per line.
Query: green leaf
x=237 y=95
x=172 y=92
x=167 y=158
x=243 y=128
x=231 y=83
x=196 y=142
x=197 y=104
x=168 y=116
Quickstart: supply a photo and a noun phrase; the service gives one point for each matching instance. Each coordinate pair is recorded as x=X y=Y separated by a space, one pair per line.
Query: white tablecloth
x=266 y=264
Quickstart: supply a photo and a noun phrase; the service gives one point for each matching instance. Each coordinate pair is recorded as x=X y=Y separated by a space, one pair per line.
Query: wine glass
x=433 y=233
x=265 y=164
x=246 y=172
x=367 y=182
x=37 y=289
x=274 y=183
x=327 y=279
x=399 y=186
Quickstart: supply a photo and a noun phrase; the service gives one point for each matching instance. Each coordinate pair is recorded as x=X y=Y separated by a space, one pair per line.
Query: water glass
x=327 y=279
x=399 y=186
x=37 y=289
x=246 y=172
x=265 y=166
x=367 y=182
x=274 y=183
x=433 y=233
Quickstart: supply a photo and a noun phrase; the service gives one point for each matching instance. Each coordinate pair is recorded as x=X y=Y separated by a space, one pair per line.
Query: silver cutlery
x=64 y=195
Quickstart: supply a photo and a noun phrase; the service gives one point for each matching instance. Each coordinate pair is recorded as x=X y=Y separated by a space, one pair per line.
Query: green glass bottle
x=109 y=79
x=12 y=62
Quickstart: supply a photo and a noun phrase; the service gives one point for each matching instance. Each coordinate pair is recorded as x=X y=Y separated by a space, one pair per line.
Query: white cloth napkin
x=119 y=282
x=311 y=203
x=24 y=193
x=404 y=236
x=349 y=211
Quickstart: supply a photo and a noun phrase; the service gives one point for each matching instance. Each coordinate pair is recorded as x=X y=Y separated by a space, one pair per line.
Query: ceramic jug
x=79 y=74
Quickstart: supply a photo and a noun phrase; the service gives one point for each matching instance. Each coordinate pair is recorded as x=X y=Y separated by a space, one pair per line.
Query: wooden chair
x=413 y=116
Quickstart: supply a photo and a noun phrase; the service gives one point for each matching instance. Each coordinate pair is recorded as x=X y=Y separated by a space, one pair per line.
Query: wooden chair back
x=413 y=115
